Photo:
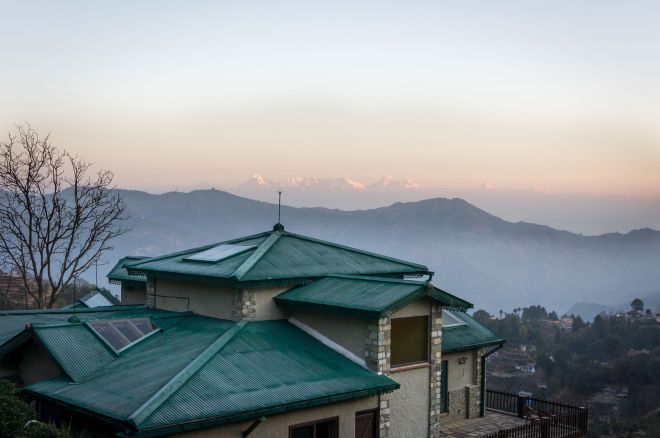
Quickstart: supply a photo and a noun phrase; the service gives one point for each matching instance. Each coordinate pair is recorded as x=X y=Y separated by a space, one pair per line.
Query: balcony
x=513 y=416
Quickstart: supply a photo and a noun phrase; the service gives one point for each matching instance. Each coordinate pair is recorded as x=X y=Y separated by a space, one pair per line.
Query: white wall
x=207 y=300
x=278 y=426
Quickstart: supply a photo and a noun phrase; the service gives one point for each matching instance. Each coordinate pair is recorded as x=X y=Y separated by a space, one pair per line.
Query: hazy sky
x=563 y=96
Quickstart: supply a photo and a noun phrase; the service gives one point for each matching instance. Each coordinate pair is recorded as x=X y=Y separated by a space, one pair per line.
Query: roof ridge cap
x=375 y=278
x=59 y=311
x=261 y=250
x=357 y=250
x=176 y=382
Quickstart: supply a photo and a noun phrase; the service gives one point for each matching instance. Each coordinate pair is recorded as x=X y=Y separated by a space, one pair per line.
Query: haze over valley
x=496 y=263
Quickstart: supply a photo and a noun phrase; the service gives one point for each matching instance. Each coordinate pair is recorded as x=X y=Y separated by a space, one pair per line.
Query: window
x=366 y=424
x=328 y=428
x=449 y=319
x=410 y=341
x=121 y=333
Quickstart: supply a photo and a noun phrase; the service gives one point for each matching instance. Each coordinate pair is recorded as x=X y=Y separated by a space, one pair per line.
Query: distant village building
x=269 y=335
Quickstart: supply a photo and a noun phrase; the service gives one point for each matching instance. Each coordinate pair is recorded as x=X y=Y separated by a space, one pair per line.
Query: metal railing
x=550 y=419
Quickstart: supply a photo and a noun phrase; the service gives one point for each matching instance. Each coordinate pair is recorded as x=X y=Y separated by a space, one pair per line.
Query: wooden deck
x=474 y=427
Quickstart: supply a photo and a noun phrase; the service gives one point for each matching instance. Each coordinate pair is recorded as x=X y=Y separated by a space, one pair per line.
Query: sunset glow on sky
x=562 y=96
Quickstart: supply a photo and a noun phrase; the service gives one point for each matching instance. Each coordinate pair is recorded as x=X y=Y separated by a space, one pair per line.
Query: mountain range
x=492 y=262
x=581 y=213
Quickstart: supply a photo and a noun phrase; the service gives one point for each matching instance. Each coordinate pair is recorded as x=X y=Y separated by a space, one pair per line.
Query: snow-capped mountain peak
x=387 y=182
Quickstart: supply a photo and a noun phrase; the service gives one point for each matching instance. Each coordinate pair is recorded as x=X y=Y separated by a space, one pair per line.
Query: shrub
x=42 y=430
x=14 y=412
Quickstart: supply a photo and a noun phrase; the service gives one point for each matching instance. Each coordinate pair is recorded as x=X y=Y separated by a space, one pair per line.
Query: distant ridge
x=485 y=259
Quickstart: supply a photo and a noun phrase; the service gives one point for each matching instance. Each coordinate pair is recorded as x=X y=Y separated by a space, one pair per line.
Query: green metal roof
x=448 y=300
x=468 y=335
x=201 y=371
x=75 y=348
x=13 y=322
x=278 y=255
x=119 y=273
x=370 y=297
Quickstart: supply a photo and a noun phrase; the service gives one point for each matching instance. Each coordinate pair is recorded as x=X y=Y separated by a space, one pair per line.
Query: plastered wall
x=278 y=426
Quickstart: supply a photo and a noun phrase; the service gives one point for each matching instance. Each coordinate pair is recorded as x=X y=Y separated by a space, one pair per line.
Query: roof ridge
x=176 y=382
x=357 y=250
x=261 y=250
x=119 y=308
x=375 y=278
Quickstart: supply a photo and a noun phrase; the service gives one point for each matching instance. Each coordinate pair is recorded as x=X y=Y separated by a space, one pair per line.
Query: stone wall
x=472 y=401
x=149 y=301
x=463 y=403
x=377 y=358
x=377 y=346
x=244 y=305
x=435 y=405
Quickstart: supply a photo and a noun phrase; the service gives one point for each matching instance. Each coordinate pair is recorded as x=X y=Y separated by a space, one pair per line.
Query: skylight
x=219 y=252
x=122 y=333
x=450 y=320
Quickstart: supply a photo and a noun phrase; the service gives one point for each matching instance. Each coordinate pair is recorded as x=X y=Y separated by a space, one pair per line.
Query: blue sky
x=562 y=96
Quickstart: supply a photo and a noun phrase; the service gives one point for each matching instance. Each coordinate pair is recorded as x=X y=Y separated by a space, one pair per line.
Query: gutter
x=473 y=346
x=266 y=412
x=482 y=406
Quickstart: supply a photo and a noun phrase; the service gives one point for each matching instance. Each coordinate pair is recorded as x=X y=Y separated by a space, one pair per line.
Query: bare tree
x=56 y=221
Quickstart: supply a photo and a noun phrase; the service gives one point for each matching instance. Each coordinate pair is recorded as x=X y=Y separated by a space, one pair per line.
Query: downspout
x=482 y=407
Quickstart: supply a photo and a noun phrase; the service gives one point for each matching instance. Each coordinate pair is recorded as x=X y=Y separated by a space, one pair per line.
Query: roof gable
x=119 y=273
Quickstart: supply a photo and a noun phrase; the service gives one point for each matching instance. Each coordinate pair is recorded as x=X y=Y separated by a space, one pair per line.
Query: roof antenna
x=278 y=226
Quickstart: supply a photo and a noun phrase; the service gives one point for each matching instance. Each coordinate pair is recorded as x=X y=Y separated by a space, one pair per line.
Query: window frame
x=451 y=314
x=376 y=414
x=425 y=361
x=444 y=386
x=130 y=344
x=314 y=423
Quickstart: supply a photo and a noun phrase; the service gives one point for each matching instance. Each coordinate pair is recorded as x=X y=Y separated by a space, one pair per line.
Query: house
x=96 y=298
x=270 y=335
x=133 y=287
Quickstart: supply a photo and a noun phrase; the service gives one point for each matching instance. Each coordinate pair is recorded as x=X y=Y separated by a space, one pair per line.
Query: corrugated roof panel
x=248 y=376
x=290 y=257
x=296 y=256
x=268 y=365
x=124 y=385
x=467 y=336
x=374 y=295
x=177 y=265
x=13 y=322
x=75 y=348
